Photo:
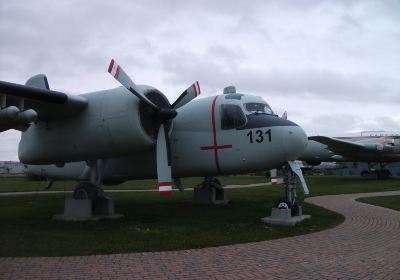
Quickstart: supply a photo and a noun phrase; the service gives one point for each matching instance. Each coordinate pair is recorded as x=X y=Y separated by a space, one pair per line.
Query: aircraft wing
x=24 y=104
x=340 y=146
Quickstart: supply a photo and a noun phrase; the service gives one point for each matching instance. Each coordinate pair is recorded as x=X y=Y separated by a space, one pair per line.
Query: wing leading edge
x=24 y=104
x=344 y=147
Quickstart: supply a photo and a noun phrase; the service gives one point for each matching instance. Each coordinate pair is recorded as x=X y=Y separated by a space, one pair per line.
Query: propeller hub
x=166 y=114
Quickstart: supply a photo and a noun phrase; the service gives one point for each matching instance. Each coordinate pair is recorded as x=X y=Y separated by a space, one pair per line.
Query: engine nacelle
x=379 y=147
x=115 y=123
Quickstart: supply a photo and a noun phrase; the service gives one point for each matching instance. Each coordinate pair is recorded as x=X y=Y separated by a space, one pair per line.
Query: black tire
x=86 y=190
x=365 y=174
x=386 y=173
x=216 y=181
x=282 y=204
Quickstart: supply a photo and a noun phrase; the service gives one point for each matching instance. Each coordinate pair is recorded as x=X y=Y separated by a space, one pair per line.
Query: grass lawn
x=392 y=202
x=22 y=184
x=154 y=223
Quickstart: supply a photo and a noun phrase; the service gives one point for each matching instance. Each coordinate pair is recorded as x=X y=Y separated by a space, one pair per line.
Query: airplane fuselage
x=206 y=139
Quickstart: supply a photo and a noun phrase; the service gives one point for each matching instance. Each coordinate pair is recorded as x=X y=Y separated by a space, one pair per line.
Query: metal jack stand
x=89 y=200
x=288 y=212
x=210 y=191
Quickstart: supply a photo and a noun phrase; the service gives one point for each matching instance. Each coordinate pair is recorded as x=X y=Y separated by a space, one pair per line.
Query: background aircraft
x=375 y=150
x=133 y=132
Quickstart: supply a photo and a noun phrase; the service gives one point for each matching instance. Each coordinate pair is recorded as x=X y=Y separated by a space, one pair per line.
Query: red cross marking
x=215 y=147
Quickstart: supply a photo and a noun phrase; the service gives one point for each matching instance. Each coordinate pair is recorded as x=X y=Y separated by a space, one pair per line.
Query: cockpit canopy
x=256 y=107
x=233 y=116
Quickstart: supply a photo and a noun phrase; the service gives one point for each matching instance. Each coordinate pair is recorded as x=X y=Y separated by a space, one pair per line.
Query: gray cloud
x=316 y=83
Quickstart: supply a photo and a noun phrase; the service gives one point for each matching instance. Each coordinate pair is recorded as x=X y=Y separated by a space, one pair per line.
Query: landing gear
x=287 y=212
x=372 y=173
x=86 y=191
x=289 y=182
x=210 y=191
x=89 y=201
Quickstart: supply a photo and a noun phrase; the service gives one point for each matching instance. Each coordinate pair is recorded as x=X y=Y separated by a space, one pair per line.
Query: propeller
x=163 y=146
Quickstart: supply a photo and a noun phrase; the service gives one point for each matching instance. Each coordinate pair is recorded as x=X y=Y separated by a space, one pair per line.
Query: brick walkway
x=365 y=246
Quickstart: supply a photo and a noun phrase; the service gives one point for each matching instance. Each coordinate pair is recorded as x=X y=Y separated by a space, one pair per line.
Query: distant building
x=11 y=167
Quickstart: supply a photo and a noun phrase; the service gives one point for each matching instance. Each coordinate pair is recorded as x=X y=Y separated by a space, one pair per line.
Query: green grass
x=154 y=223
x=391 y=202
x=151 y=223
x=22 y=184
x=327 y=185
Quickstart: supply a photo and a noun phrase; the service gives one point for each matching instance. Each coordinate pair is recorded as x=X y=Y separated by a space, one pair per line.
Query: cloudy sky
x=333 y=65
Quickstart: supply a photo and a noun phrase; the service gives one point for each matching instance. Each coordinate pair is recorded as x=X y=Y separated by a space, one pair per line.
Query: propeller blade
x=179 y=185
x=119 y=74
x=163 y=163
x=284 y=115
x=188 y=95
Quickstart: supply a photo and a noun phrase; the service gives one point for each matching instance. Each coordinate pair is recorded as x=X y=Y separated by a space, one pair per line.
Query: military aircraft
x=375 y=150
x=133 y=132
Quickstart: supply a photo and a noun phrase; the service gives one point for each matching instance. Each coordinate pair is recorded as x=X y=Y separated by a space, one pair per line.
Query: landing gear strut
x=287 y=211
x=289 y=181
x=92 y=190
x=89 y=200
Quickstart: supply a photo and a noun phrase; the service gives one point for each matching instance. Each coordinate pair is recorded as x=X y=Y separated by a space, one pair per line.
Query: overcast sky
x=333 y=65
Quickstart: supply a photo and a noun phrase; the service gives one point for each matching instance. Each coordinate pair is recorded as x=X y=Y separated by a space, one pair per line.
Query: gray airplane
x=133 y=132
x=375 y=150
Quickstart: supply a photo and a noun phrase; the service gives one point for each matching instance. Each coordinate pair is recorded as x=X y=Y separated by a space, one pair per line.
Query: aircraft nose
x=295 y=141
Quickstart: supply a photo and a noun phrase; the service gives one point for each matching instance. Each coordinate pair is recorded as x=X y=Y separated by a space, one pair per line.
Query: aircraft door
x=230 y=151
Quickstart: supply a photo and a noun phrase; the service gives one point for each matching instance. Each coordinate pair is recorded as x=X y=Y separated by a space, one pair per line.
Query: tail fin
x=38 y=81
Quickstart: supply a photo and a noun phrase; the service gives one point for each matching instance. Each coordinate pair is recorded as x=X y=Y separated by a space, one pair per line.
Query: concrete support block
x=81 y=210
x=281 y=213
x=104 y=206
x=209 y=196
x=284 y=217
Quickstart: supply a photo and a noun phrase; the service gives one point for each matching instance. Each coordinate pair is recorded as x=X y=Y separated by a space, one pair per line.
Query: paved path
x=365 y=246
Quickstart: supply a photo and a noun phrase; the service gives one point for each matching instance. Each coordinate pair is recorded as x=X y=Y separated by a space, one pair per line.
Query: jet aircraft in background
x=374 y=150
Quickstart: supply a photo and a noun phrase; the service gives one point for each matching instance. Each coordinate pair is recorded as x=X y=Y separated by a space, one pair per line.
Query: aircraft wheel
x=386 y=173
x=86 y=190
x=282 y=205
x=365 y=174
x=215 y=183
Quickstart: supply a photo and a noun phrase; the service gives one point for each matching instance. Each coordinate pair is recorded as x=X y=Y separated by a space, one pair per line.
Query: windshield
x=262 y=108
x=232 y=116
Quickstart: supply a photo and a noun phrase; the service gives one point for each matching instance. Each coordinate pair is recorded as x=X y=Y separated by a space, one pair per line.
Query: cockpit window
x=232 y=116
x=262 y=108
